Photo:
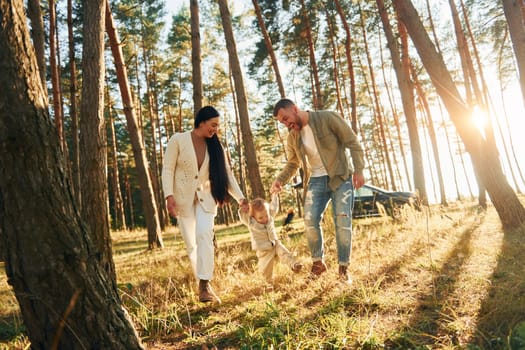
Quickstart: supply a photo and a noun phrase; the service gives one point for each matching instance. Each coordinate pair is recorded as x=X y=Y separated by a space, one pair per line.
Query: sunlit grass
x=443 y=277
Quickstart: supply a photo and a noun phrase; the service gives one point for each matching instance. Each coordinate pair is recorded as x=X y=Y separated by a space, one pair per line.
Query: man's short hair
x=283 y=103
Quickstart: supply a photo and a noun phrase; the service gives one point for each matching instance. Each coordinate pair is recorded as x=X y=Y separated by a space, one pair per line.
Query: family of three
x=196 y=179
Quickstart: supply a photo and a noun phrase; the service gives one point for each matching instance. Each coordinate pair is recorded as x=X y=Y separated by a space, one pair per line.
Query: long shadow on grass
x=504 y=305
x=423 y=328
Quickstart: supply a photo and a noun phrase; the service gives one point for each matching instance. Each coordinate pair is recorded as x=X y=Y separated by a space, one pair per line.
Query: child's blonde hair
x=257 y=205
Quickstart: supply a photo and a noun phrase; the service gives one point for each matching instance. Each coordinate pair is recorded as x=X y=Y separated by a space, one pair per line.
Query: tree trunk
x=249 y=148
x=118 y=205
x=335 y=54
x=406 y=89
x=378 y=108
x=93 y=133
x=316 y=91
x=75 y=150
x=238 y=137
x=37 y=34
x=154 y=165
x=55 y=78
x=485 y=92
x=67 y=299
x=472 y=90
x=146 y=188
x=507 y=125
x=196 y=55
x=451 y=156
x=432 y=134
x=163 y=211
x=484 y=158
x=512 y=10
x=389 y=137
x=269 y=48
x=350 y=64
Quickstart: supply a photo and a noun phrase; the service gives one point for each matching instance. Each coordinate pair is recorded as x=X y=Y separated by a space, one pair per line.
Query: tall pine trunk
x=149 y=205
x=73 y=113
x=196 y=55
x=37 y=34
x=350 y=64
x=400 y=61
x=254 y=174
x=269 y=48
x=93 y=167
x=381 y=121
x=55 y=76
x=316 y=84
x=513 y=14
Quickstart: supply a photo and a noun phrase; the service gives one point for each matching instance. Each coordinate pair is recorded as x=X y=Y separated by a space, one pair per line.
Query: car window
x=363 y=191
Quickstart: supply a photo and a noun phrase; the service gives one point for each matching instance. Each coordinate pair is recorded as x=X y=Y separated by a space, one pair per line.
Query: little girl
x=259 y=218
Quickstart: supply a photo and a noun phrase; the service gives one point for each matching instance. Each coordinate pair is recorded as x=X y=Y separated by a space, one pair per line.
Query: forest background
x=158 y=51
x=436 y=98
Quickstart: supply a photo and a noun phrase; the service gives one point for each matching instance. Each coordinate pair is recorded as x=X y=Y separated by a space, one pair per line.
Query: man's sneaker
x=318 y=267
x=343 y=275
x=297 y=267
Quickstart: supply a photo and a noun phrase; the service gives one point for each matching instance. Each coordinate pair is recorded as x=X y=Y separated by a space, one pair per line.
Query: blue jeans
x=318 y=195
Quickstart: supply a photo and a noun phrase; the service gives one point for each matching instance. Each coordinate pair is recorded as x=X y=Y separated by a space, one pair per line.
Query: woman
x=196 y=179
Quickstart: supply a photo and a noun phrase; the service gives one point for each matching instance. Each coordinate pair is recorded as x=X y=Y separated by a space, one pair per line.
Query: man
x=317 y=142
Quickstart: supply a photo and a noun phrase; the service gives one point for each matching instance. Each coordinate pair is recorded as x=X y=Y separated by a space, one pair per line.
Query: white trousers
x=197 y=232
x=267 y=258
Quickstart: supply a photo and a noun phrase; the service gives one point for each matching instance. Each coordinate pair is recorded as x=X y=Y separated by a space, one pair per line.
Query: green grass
x=444 y=278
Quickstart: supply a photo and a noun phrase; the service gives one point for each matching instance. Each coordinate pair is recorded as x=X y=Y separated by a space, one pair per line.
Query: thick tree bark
x=67 y=299
x=254 y=174
x=146 y=188
x=484 y=158
x=37 y=34
x=93 y=133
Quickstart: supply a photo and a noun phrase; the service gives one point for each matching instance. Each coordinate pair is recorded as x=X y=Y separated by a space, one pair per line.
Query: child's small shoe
x=296 y=267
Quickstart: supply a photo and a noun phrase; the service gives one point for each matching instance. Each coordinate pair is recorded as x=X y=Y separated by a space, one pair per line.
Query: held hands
x=244 y=205
x=358 y=180
x=276 y=187
x=171 y=206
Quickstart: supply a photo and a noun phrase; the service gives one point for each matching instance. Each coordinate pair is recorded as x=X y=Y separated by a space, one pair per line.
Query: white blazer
x=182 y=178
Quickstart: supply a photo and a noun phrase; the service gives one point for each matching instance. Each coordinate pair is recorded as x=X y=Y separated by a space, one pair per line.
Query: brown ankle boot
x=206 y=293
x=343 y=274
x=318 y=267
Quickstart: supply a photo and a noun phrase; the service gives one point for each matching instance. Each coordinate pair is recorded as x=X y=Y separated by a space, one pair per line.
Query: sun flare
x=479 y=119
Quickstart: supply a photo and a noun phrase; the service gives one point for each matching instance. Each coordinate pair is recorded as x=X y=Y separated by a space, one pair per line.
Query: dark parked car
x=367 y=197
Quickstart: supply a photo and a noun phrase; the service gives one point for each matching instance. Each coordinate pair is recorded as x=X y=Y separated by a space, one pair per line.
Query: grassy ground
x=444 y=278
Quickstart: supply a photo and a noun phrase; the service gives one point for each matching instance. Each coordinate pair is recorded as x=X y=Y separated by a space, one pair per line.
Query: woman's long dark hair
x=218 y=174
